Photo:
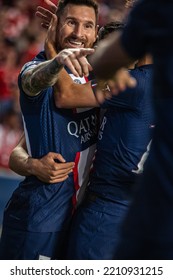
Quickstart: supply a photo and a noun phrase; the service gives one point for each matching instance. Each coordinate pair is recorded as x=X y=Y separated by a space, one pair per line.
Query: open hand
x=46 y=13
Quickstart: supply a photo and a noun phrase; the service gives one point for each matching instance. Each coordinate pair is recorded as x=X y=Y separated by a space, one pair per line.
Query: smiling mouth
x=75 y=44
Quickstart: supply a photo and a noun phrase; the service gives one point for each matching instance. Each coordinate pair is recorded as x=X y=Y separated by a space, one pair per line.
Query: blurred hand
x=119 y=82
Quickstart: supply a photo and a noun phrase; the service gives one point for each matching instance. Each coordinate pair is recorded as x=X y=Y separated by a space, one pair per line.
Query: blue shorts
x=23 y=245
x=96 y=229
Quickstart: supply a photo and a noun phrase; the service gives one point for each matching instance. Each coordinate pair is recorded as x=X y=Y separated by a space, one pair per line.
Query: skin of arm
x=46 y=73
x=45 y=168
x=110 y=56
x=40 y=77
x=71 y=95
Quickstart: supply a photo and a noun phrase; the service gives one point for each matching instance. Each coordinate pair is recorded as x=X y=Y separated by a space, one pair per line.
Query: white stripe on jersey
x=26 y=137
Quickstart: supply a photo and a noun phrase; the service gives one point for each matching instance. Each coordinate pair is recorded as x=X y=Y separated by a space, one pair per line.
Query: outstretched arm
x=45 y=74
x=109 y=57
x=46 y=169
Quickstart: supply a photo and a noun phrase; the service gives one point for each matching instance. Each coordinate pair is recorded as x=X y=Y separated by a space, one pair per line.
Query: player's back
x=124 y=138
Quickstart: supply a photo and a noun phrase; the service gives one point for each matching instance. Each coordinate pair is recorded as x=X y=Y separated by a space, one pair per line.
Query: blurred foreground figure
x=148 y=232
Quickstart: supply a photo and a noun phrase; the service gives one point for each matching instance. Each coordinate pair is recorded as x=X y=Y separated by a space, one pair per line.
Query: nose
x=79 y=30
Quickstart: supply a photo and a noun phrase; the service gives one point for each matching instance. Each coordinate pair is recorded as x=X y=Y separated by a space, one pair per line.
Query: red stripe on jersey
x=86 y=79
x=76 y=178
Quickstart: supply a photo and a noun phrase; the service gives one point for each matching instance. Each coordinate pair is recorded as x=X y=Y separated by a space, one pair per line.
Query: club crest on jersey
x=77 y=81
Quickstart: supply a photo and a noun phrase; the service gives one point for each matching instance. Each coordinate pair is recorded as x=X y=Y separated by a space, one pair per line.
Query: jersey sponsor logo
x=85 y=128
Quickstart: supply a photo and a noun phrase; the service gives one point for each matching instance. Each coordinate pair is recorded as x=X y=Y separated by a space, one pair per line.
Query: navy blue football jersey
x=124 y=137
x=156 y=38
x=36 y=206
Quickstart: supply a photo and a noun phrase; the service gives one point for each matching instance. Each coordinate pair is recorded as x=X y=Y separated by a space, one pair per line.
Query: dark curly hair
x=109 y=28
x=89 y=3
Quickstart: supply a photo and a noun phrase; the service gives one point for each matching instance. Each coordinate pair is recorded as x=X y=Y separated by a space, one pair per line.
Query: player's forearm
x=68 y=94
x=50 y=50
x=109 y=57
x=21 y=163
x=41 y=77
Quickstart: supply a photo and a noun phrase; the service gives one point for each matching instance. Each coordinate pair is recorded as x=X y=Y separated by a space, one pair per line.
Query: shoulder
x=142 y=72
x=41 y=57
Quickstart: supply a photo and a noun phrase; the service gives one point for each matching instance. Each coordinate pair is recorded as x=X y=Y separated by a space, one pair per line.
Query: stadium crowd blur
x=21 y=38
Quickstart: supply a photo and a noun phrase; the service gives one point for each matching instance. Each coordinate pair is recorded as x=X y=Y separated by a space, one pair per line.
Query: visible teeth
x=76 y=43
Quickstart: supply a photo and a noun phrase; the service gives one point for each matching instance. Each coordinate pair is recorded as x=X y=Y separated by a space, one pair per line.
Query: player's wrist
x=32 y=164
x=56 y=65
x=50 y=50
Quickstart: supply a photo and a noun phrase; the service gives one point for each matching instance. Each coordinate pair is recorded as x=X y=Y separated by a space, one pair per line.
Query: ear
x=97 y=29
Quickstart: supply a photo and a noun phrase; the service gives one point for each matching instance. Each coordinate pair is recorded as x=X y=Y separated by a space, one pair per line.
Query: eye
x=89 y=25
x=71 y=22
